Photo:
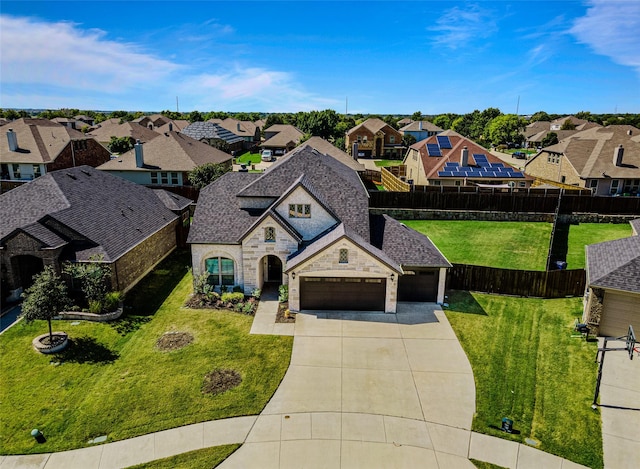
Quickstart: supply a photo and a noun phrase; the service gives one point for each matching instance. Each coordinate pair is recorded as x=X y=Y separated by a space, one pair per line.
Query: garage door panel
x=340 y=293
x=418 y=286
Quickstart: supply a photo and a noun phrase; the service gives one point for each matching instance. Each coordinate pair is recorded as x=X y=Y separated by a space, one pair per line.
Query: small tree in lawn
x=45 y=298
x=205 y=174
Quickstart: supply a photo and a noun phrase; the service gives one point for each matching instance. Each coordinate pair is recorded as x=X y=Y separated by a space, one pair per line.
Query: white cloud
x=460 y=26
x=62 y=54
x=612 y=29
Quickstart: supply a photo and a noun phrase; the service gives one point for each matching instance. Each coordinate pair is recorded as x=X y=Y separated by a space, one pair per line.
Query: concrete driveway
x=368 y=390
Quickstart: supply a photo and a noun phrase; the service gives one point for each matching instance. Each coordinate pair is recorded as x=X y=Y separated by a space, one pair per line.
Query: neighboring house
x=323 y=146
x=248 y=130
x=70 y=123
x=81 y=213
x=113 y=128
x=421 y=130
x=374 y=138
x=603 y=159
x=281 y=138
x=152 y=122
x=305 y=222
x=613 y=285
x=166 y=160
x=214 y=134
x=90 y=121
x=535 y=132
x=33 y=147
x=172 y=125
x=405 y=121
x=449 y=159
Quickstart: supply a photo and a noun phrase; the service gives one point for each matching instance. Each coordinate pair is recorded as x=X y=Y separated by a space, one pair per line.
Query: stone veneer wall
x=136 y=263
x=326 y=264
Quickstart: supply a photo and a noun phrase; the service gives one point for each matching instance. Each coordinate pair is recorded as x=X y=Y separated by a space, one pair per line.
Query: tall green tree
x=203 y=175
x=416 y=116
x=504 y=129
x=568 y=125
x=45 y=298
x=119 y=145
x=196 y=116
x=318 y=123
x=550 y=139
x=540 y=116
x=94 y=277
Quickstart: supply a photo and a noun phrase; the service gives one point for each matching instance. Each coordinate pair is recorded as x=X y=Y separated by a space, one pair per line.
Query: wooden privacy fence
x=530 y=200
x=533 y=283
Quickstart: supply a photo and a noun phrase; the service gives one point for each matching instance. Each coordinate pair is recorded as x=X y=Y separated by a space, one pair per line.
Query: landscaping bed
x=530 y=366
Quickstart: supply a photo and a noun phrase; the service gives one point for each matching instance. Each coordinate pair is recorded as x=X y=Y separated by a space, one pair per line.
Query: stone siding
x=255 y=248
x=542 y=168
x=327 y=264
x=201 y=252
x=136 y=263
x=309 y=228
x=22 y=244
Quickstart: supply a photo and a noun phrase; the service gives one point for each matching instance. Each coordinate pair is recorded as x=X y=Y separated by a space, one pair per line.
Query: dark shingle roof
x=172 y=201
x=110 y=213
x=404 y=245
x=615 y=264
x=200 y=130
x=218 y=218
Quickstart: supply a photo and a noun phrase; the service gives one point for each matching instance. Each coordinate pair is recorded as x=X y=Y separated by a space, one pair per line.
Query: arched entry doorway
x=271 y=267
x=24 y=267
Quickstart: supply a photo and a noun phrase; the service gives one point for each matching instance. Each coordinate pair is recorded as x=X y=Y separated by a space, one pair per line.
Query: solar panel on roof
x=444 y=142
x=445 y=173
x=482 y=156
x=433 y=149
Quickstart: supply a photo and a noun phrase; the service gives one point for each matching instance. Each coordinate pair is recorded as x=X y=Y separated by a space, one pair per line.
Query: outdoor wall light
x=293 y=275
x=393 y=276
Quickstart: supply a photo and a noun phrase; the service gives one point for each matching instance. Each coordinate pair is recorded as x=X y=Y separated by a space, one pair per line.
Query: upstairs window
x=270 y=234
x=344 y=256
x=392 y=139
x=299 y=211
x=16 y=171
x=36 y=171
x=154 y=177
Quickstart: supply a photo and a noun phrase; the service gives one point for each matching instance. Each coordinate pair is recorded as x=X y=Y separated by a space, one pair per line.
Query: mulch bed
x=199 y=301
x=220 y=380
x=174 y=340
x=280 y=317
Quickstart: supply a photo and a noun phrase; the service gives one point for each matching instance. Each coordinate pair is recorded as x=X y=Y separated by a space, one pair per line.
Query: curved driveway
x=368 y=390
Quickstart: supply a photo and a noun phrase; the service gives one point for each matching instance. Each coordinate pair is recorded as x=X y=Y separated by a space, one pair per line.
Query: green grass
x=206 y=458
x=248 y=158
x=591 y=233
x=508 y=245
x=485 y=465
x=528 y=367
x=388 y=162
x=113 y=381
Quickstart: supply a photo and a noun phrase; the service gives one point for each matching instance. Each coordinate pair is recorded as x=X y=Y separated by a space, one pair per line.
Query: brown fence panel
x=533 y=283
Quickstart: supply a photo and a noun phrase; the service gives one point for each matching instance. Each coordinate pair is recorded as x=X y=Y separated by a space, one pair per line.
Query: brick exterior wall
x=136 y=263
x=93 y=155
x=327 y=264
x=24 y=245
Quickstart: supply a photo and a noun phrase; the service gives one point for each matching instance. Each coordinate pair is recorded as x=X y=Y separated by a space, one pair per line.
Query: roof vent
x=629 y=132
x=170 y=127
x=86 y=172
x=618 y=153
x=420 y=125
x=71 y=176
x=13 y=140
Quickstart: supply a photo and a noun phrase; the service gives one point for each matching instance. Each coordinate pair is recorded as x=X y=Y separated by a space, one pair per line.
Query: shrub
x=248 y=308
x=112 y=300
x=201 y=285
x=283 y=293
x=235 y=297
x=256 y=293
x=95 y=307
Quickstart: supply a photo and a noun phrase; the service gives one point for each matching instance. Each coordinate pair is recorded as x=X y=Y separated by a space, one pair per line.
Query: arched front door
x=272 y=269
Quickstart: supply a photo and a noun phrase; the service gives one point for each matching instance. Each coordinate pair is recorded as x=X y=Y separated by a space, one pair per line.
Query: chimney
x=238 y=124
x=420 y=125
x=139 y=156
x=618 y=152
x=464 y=157
x=13 y=140
x=170 y=127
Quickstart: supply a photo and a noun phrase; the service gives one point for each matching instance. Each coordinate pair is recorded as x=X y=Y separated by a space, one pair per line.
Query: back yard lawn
x=528 y=367
x=113 y=379
x=591 y=233
x=508 y=245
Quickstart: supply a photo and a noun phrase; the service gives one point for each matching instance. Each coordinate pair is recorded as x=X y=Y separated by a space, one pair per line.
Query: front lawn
x=206 y=458
x=249 y=158
x=591 y=233
x=508 y=245
x=113 y=380
x=529 y=366
x=388 y=162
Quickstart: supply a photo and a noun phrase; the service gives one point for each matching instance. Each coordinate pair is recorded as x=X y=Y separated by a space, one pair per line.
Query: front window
x=220 y=270
x=299 y=211
x=164 y=178
x=16 y=171
x=174 y=179
x=392 y=139
x=154 y=177
x=614 y=186
x=36 y=171
x=270 y=234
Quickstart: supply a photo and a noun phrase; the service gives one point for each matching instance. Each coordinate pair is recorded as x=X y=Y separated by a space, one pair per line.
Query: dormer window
x=270 y=234
x=344 y=256
x=299 y=211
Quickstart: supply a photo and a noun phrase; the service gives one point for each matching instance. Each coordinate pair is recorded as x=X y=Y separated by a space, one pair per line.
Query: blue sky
x=384 y=57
